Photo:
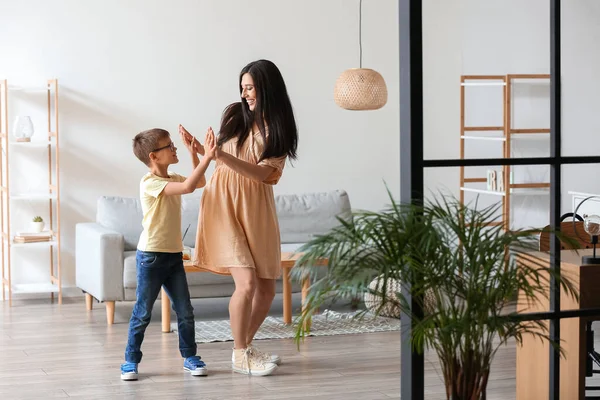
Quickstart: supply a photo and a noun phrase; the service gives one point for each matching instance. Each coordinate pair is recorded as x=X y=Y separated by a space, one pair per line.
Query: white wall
x=128 y=66
x=485 y=37
x=442 y=55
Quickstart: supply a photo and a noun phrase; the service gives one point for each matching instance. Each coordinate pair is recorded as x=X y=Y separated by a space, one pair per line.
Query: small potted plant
x=37 y=224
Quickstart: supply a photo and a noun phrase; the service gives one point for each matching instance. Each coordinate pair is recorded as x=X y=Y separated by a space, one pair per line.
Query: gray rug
x=325 y=324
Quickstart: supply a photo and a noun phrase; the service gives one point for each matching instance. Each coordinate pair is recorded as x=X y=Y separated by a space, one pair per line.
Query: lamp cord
x=360 y=32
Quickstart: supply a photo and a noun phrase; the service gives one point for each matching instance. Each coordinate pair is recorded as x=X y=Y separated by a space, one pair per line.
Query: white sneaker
x=248 y=361
x=274 y=358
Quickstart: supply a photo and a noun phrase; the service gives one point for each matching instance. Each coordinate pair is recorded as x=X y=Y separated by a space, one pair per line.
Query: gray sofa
x=105 y=249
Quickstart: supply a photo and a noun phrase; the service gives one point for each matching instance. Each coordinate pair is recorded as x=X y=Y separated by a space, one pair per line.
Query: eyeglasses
x=170 y=145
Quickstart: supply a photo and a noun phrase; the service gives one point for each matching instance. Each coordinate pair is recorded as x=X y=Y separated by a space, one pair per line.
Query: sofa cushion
x=129 y=270
x=121 y=214
x=190 y=206
x=305 y=215
x=290 y=247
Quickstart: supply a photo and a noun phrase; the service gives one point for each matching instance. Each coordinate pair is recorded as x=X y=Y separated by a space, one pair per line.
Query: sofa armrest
x=99 y=261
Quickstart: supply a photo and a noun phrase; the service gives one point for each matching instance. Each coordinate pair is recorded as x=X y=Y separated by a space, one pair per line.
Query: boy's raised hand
x=210 y=145
x=190 y=142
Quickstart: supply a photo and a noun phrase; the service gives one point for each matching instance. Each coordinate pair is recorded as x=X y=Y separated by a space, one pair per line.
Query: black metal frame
x=412 y=167
x=411 y=170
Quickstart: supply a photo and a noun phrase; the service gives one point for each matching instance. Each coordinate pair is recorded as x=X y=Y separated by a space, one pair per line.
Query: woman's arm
x=256 y=172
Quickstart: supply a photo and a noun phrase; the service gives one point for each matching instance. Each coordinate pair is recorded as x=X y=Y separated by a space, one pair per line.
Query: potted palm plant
x=466 y=275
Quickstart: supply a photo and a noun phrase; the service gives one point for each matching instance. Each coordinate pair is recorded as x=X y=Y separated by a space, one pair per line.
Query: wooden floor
x=52 y=351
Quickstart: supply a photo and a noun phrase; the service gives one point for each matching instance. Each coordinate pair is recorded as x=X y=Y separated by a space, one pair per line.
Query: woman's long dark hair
x=272 y=103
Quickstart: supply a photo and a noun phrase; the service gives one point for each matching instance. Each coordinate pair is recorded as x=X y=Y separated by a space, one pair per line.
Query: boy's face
x=165 y=153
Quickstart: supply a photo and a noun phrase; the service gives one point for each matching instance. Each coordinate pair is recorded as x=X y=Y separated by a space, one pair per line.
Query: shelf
x=34 y=288
x=483 y=84
x=33 y=196
x=482 y=128
x=505 y=134
x=497 y=139
x=45 y=142
x=28 y=89
x=503 y=139
x=482 y=191
x=581 y=194
x=530 y=131
x=34 y=244
x=40 y=144
x=526 y=192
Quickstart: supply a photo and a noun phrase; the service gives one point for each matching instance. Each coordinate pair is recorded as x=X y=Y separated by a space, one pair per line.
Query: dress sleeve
x=276 y=162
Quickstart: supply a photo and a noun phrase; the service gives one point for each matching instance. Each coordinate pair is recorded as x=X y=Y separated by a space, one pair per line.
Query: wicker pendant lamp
x=360 y=88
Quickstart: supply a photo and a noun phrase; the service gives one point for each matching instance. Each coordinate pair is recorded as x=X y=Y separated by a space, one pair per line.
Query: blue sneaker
x=129 y=371
x=195 y=366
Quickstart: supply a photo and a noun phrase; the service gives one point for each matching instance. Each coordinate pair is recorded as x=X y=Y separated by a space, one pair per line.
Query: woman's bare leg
x=261 y=304
x=240 y=305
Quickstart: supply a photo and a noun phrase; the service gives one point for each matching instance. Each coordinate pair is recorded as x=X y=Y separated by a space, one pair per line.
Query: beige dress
x=237 y=225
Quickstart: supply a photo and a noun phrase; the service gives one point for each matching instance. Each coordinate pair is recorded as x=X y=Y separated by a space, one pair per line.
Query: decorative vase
x=23 y=129
x=37 y=227
x=373 y=300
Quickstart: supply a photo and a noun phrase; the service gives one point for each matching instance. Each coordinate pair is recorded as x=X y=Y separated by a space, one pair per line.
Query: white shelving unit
x=524 y=192
x=52 y=196
x=505 y=134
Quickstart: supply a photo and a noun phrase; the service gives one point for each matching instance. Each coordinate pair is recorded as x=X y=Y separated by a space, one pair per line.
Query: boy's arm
x=189 y=142
x=195 y=162
x=191 y=182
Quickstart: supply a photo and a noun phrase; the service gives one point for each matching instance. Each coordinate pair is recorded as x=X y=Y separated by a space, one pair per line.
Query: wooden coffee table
x=288 y=261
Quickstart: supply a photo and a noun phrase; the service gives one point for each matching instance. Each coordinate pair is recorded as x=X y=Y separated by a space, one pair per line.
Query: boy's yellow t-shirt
x=162 y=215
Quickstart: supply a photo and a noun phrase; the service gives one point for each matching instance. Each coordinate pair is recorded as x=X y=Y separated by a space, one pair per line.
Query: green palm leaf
x=467 y=276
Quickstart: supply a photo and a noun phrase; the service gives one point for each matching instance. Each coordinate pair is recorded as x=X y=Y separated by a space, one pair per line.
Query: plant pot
x=37 y=227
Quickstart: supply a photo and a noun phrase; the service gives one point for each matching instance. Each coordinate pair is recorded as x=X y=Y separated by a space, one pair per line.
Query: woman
x=238 y=230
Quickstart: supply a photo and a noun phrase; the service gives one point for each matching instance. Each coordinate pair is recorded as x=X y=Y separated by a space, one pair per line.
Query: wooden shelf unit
x=506 y=135
x=52 y=196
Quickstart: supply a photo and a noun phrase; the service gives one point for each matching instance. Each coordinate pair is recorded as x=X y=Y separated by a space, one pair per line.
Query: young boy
x=159 y=261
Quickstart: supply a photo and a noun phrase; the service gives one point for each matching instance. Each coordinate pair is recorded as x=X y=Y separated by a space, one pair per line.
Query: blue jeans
x=153 y=271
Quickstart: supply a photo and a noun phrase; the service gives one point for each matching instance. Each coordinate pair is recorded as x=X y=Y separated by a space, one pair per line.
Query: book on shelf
x=32 y=237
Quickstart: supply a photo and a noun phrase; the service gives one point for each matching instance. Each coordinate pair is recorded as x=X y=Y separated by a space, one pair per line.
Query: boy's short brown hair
x=145 y=142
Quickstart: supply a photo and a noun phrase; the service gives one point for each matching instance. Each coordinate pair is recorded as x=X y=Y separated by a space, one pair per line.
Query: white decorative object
x=187 y=253
x=373 y=301
x=501 y=182
x=37 y=225
x=392 y=290
x=589 y=207
x=491 y=180
x=23 y=128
